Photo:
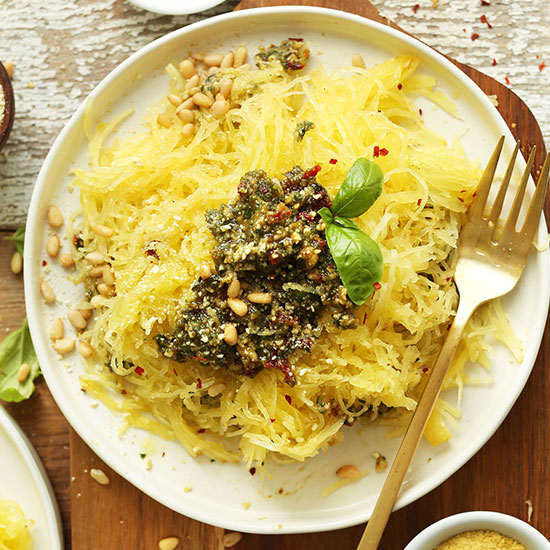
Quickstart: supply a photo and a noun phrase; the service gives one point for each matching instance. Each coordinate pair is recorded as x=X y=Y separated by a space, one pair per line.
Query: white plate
x=24 y=480
x=218 y=490
x=175 y=7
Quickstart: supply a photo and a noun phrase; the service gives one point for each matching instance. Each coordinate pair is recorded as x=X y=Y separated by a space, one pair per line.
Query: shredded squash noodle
x=155 y=187
x=14 y=527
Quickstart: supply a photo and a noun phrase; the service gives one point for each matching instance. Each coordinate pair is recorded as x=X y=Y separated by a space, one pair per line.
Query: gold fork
x=489 y=265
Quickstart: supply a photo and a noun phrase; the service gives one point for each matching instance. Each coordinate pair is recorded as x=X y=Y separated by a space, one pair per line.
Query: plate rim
x=169 y=7
x=413 y=493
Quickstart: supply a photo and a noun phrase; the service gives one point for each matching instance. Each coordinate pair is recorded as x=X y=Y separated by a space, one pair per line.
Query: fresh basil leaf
x=325 y=214
x=16 y=349
x=357 y=257
x=18 y=239
x=362 y=186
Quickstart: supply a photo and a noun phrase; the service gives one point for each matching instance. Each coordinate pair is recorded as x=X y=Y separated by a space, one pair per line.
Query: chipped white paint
x=61 y=50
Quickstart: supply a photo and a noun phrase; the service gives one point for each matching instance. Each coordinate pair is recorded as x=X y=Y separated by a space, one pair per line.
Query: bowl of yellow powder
x=479 y=531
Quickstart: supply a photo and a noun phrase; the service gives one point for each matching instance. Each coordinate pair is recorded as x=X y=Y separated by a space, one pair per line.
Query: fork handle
x=384 y=505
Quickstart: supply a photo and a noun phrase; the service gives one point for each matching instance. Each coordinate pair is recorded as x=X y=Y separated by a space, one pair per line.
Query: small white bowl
x=504 y=524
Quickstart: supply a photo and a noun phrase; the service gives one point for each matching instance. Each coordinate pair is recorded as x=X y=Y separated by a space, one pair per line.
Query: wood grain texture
x=510 y=469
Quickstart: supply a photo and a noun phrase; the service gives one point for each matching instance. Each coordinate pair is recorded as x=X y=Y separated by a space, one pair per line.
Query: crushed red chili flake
x=312 y=172
x=201 y=431
x=333 y=161
x=474 y=36
x=199 y=358
x=507 y=80
x=542 y=65
x=163 y=454
x=297 y=39
x=199 y=383
x=83 y=390
x=400 y=86
x=379 y=151
x=252 y=471
x=419 y=202
x=494 y=62
x=384 y=151
x=175 y=372
x=416 y=8
x=44 y=262
x=139 y=371
x=485 y=3
x=420 y=112
x=460 y=199
x=483 y=19
x=424 y=368
x=288 y=399
x=447 y=279
x=377 y=285
x=123 y=392
x=281 y=491
x=364 y=318
x=272 y=420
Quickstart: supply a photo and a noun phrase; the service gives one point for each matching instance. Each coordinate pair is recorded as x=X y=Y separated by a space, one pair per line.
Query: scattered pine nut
x=55 y=217
x=169 y=543
x=163 y=120
x=47 y=292
x=194 y=81
x=213 y=59
x=66 y=260
x=260 y=298
x=85 y=349
x=357 y=60
x=52 y=246
x=96 y=301
x=240 y=56
x=348 y=471
x=63 y=346
x=187 y=104
x=205 y=271
x=216 y=389
x=227 y=60
x=23 y=372
x=100 y=476
x=76 y=319
x=108 y=275
x=234 y=288
x=16 y=263
x=95 y=258
x=226 y=86
x=187 y=69
x=230 y=334
x=237 y=306
x=245 y=67
x=96 y=271
x=175 y=100
x=57 y=330
x=186 y=115
x=86 y=312
x=106 y=290
x=231 y=538
x=102 y=230
x=219 y=108
x=202 y=100
x=8 y=65
x=188 y=130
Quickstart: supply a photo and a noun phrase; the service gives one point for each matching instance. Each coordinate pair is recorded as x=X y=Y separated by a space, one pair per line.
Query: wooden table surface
x=58 y=60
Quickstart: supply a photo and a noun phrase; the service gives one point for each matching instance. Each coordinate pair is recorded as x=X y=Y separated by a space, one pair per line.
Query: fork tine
x=537 y=202
x=510 y=226
x=478 y=205
x=497 y=205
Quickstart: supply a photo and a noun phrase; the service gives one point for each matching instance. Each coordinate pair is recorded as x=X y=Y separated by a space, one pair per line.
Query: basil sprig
x=18 y=239
x=357 y=257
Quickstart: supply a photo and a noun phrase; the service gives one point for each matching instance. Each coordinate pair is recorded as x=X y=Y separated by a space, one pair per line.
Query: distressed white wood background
x=62 y=48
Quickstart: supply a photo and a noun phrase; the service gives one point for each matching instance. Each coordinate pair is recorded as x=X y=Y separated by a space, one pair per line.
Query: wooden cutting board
x=119 y=516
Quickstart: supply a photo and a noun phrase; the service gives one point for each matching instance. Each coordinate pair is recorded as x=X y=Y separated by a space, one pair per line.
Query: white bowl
x=175 y=7
x=219 y=490
x=504 y=524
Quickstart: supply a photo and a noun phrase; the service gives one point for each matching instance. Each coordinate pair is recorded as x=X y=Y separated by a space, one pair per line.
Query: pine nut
x=16 y=263
x=187 y=104
x=76 y=319
x=63 y=346
x=212 y=70
x=108 y=275
x=348 y=471
x=47 y=292
x=227 y=60
x=66 y=260
x=163 y=120
x=169 y=543
x=23 y=372
x=85 y=349
x=219 y=108
x=95 y=258
x=52 y=246
x=188 y=130
x=245 y=67
x=240 y=56
x=187 y=69
x=205 y=270
x=230 y=334
x=57 y=330
x=103 y=231
x=106 y=290
x=96 y=271
x=100 y=476
x=55 y=217
x=234 y=288
x=231 y=538
x=260 y=298
x=186 y=115
x=226 y=86
x=202 y=100
x=213 y=59
x=86 y=312
x=175 y=100
x=357 y=60
x=237 y=306
x=96 y=301
x=8 y=65
x=194 y=81
x=216 y=389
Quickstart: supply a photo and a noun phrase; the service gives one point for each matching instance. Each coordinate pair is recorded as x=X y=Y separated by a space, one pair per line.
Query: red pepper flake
x=44 y=262
x=494 y=62
x=175 y=372
x=201 y=431
x=400 y=86
x=416 y=7
x=281 y=491
x=447 y=279
x=460 y=199
x=272 y=420
x=384 y=151
x=507 y=80
x=83 y=390
x=483 y=19
x=424 y=368
x=199 y=383
x=123 y=392
x=377 y=285
x=485 y=3
x=312 y=172
x=379 y=151
x=252 y=471
x=163 y=454
x=139 y=371
x=541 y=66
x=474 y=36
x=364 y=318
x=334 y=411
x=199 y=358
x=288 y=399
x=297 y=39
x=420 y=112
x=333 y=161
